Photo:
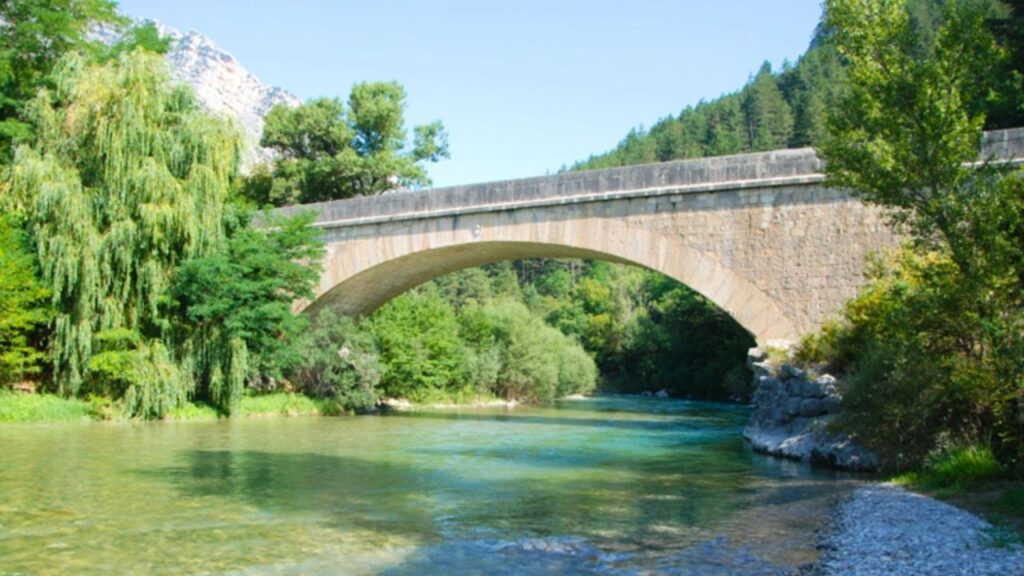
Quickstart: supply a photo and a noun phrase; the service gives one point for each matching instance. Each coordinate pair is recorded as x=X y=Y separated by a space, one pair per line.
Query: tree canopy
x=328 y=150
x=23 y=303
x=932 y=345
x=34 y=35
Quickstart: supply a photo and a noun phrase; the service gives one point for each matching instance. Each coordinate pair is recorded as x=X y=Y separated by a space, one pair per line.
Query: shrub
x=341 y=362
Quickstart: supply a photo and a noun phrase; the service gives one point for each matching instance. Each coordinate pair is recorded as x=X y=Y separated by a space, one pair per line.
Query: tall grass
x=955 y=471
x=24 y=408
x=20 y=407
x=284 y=404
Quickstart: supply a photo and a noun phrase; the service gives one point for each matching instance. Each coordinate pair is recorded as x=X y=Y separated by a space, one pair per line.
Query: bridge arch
x=758 y=234
x=364 y=272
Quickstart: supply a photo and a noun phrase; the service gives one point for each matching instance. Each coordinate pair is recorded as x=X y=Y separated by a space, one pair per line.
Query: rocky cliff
x=223 y=86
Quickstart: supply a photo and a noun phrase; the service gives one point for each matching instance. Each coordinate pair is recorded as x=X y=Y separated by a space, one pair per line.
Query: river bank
x=28 y=408
x=884 y=529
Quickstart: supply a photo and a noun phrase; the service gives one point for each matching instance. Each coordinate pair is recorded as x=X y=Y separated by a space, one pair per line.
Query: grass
x=462 y=397
x=286 y=404
x=956 y=471
x=21 y=407
x=194 y=412
x=971 y=478
x=1012 y=501
x=18 y=407
x=777 y=356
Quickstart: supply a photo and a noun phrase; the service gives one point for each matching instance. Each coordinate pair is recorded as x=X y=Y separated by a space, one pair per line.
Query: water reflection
x=608 y=486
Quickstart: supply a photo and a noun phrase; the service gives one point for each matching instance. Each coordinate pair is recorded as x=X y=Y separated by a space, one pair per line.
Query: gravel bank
x=883 y=529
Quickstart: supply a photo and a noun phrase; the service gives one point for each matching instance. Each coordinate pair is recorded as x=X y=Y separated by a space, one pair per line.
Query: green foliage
x=774 y=110
x=908 y=129
x=285 y=404
x=955 y=470
x=520 y=357
x=1011 y=502
x=23 y=304
x=340 y=361
x=933 y=344
x=141 y=37
x=1007 y=108
x=34 y=35
x=192 y=411
x=930 y=354
x=684 y=344
x=235 y=305
x=420 y=347
x=641 y=327
x=127 y=179
x=142 y=374
x=329 y=150
x=19 y=407
x=789 y=108
x=769 y=119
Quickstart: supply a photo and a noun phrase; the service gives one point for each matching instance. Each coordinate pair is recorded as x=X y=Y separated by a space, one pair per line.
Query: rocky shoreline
x=885 y=530
x=792 y=410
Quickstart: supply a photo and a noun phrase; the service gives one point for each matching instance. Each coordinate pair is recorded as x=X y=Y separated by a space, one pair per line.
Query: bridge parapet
x=698 y=175
x=757 y=234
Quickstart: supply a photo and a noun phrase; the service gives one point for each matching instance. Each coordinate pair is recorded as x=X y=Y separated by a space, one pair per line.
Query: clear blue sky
x=522 y=87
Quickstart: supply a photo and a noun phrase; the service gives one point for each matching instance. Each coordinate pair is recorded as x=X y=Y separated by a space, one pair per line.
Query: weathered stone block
x=768 y=385
x=790 y=371
x=811 y=407
x=833 y=403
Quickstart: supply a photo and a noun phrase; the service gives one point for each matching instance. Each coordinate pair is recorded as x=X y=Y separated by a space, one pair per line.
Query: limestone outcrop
x=222 y=85
x=792 y=410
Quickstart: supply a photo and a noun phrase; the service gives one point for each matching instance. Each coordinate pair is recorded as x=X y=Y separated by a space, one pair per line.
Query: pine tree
x=769 y=119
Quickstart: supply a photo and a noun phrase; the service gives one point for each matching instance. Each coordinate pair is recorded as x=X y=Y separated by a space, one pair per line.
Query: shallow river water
x=597 y=486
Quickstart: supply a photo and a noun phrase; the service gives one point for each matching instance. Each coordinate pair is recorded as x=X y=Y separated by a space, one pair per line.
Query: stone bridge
x=757 y=234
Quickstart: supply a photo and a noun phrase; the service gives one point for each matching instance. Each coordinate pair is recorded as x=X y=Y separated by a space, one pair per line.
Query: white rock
x=222 y=85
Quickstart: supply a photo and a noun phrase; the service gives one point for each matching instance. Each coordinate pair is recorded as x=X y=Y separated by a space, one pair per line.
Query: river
x=606 y=485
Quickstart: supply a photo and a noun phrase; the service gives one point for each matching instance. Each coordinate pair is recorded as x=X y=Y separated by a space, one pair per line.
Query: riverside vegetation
x=116 y=256
x=929 y=353
x=134 y=284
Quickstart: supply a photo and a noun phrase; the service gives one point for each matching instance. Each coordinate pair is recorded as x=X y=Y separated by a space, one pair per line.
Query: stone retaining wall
x=792 y=410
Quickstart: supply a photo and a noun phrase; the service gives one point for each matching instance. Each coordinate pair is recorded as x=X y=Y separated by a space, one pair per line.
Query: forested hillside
x=787 y=108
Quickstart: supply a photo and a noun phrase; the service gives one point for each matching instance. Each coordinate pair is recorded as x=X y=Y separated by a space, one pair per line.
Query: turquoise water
x=596 y=486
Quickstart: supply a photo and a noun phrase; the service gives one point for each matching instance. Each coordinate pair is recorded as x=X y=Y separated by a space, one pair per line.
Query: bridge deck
x=699 y=175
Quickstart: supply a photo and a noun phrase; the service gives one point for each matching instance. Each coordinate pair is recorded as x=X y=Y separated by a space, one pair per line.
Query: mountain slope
x=222 y=85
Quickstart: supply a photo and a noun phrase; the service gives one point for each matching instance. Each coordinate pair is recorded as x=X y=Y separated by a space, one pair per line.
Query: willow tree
x=128 y=177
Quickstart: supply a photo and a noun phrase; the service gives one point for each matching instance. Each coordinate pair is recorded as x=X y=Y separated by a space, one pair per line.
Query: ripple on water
x=601 y=486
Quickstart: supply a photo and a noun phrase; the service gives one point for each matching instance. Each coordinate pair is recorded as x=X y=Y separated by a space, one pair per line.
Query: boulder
x=832 y=403
x=756 y=356
x=768 y=385
x=762 y=369
x=842 y=452
x=789 y=371
x=790 y=419
x=662 y=393
x=811 y=407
